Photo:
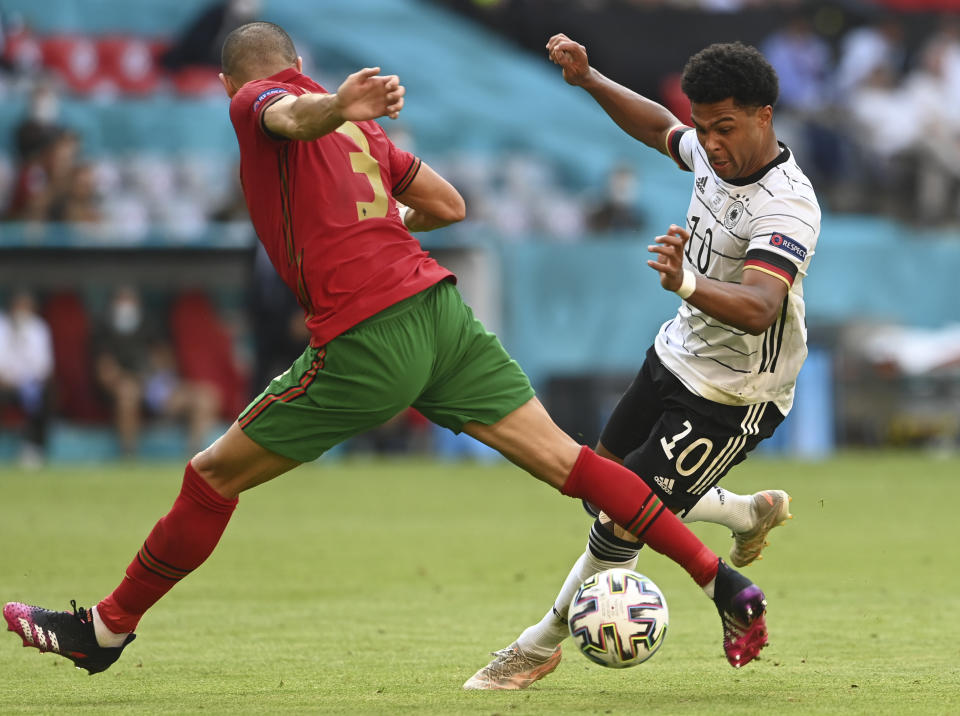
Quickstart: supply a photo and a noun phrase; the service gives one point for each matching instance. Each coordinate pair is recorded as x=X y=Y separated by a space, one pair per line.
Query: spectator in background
x=26 y=365
x=40 y=127
x=617 y=210
x=805 y=111
x=200 y=43
x=867 y=51
x=42 y=178
x=135 y=368
x=803 y=61
x=46 y=153
x=932 y=89
x=78 y=202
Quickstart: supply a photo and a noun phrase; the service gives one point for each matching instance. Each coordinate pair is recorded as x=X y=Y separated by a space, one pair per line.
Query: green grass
x=379 y=587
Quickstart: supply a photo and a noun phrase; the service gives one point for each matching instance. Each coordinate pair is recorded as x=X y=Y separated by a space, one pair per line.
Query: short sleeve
x=249 y=104
x=783 y=238
x=680 y=141
x=403 y=169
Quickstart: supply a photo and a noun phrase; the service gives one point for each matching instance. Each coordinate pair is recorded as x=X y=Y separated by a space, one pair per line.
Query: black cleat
x=69 y=635
x=742 y=608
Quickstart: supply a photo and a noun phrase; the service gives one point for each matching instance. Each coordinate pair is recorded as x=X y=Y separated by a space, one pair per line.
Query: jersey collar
x=284 y=75
x=783 y=156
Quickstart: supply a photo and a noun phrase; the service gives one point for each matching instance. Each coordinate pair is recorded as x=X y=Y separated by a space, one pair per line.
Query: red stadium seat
x=22 y=50
x=130 y=63
x=204 y=350
x=69 y=324
x=75 y=59
x=197 y=81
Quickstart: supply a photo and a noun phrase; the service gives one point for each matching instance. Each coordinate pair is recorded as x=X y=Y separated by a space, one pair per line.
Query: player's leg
x=636 y=418
x=739 y=429
x=478 y=388
x=179 y=543
x=316 y=404
x=749 y=518
x=183 y=539
x=528 y=437
x=608 y=544
x=327 y=396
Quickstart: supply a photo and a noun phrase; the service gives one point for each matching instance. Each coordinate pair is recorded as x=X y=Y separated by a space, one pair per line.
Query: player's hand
x=572 y=58
x=669 y=261
x=366 y=95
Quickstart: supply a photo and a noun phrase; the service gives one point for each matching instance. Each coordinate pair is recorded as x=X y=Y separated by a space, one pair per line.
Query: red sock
x=631 y=504
x=178 y=544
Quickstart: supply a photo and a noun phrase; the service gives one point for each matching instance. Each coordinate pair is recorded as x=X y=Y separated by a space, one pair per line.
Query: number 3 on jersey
x=364 y=163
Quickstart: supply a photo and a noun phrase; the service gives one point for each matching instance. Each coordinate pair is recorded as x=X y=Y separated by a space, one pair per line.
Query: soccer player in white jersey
x=720 y=376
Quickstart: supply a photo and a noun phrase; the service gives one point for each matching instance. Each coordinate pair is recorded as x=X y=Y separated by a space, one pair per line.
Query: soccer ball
x=618 y=618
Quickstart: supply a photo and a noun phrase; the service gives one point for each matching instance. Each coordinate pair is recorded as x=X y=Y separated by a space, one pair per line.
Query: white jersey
x=769 y=222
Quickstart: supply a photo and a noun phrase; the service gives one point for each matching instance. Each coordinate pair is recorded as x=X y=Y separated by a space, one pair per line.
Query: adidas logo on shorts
x=666 y=484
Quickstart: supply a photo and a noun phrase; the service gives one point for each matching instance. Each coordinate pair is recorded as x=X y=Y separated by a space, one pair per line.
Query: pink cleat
x=742 y=607
x=69 y=635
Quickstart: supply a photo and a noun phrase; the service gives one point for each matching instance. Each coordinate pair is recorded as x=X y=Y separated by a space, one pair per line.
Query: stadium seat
x=130 y=62
x=11 y=417
x=197 y=81
x=69 y=323
x=75 y=59
x=22 y=50
x=204 y=350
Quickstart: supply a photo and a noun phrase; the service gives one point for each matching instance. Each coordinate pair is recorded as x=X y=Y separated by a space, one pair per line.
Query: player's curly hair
x=730 y=70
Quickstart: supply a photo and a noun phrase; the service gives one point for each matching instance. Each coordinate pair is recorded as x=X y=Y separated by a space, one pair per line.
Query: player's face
x=736 y=139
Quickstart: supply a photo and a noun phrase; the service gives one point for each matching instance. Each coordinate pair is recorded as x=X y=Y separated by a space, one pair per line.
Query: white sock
x=725 y=508
x=105 y=637
x=710 y=587
x=542 y=639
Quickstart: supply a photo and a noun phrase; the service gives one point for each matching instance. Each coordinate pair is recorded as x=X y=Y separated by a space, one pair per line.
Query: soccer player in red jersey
x=389 y=330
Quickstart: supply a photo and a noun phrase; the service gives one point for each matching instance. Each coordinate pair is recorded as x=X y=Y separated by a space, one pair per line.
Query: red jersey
x=324 y=211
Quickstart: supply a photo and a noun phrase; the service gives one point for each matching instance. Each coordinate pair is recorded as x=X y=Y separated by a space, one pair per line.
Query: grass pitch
x=379 y=587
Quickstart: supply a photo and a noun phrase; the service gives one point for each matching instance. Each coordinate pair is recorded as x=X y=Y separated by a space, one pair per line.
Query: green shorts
x=427 y=351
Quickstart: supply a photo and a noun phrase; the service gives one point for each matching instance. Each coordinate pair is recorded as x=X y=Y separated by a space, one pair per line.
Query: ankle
x=105 y=637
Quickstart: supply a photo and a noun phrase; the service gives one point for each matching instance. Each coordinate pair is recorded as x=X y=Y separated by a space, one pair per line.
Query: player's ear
x=765 y=115
x=228 y=85
x=299 y=64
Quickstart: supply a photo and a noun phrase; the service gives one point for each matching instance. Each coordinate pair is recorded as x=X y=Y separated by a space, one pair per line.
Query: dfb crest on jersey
x=718 y=199
x=734 y=212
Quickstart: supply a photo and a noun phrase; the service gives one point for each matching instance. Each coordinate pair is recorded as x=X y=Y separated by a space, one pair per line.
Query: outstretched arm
x=641 y=118
x=432 y=201
x=751 y=306
x=363 y=95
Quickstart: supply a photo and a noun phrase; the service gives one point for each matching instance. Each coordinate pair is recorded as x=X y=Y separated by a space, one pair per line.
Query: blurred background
x=137 y=316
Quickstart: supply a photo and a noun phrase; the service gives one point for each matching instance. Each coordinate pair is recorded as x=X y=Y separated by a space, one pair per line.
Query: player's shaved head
x=256 y=50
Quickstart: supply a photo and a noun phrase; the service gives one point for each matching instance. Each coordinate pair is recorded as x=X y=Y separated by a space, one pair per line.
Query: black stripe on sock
x=607 y=547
